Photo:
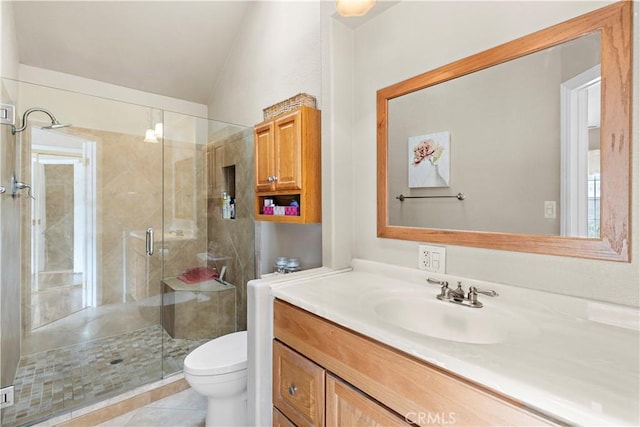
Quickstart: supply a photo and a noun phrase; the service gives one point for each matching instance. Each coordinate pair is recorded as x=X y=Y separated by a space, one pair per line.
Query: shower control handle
x=19 y=185
x=149 y=241
x=2 y=190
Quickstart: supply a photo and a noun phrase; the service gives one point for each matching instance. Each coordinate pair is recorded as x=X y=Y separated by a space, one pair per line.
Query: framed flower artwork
x=429 y=160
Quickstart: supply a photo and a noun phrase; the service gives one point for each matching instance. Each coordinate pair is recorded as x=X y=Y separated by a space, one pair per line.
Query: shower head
x=55 y=124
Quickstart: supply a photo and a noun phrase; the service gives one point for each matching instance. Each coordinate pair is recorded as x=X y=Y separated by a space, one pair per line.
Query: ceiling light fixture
x=153 y=132
x=158 y=130
x=150 y=136
x=354 y=7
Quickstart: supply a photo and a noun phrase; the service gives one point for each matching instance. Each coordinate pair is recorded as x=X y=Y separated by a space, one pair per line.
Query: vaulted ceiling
x=172 y=48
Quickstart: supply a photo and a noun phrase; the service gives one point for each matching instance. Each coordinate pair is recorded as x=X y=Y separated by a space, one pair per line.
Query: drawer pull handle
x=292 y=389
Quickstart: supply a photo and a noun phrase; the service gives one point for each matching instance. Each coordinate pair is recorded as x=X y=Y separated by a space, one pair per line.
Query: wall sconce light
x=354 y=7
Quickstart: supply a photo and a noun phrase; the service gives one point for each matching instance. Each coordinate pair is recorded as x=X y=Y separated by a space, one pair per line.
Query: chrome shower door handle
x=149 y=241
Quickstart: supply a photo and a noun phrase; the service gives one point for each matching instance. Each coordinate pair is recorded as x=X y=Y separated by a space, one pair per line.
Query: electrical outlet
x=6 y=396
x=431 y=258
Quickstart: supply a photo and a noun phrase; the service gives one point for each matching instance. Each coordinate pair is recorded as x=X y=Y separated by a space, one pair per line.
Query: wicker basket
x=289 y=105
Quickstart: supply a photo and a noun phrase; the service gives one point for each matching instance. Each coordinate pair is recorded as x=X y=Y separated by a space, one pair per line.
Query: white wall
x=505 y=184
x=81 y=85
x=8 y=43
x=414 y=37
x=276 y=55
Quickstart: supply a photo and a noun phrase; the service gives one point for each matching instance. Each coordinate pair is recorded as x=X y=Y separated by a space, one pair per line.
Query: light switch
x=550 y=209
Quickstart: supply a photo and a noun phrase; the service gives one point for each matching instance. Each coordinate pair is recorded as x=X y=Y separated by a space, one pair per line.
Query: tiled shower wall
x=9 y=254
x=233 y=237
x=129 y=200
x=185 y=206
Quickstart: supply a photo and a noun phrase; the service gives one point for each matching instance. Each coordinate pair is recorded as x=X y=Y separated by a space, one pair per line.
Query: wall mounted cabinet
x=288 y=166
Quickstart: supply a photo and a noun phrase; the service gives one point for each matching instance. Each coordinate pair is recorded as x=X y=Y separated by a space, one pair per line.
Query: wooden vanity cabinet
x=288 y=164
x=370 y=383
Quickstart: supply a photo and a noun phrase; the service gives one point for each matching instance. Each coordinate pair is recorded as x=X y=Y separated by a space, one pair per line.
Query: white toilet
x=218 y=370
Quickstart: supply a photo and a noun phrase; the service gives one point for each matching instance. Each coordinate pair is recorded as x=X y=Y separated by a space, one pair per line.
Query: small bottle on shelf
x=225 y=205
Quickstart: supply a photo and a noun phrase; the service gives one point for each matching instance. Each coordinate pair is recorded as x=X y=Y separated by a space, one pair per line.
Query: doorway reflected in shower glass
x=62 y=246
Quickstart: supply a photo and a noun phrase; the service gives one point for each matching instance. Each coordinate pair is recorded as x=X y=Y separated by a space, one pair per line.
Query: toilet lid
x=224 y=354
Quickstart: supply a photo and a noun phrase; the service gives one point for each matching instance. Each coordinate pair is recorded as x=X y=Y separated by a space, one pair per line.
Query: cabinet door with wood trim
x=264 y=156
x=298 y=387
x=279 y=420
x=288 y=152
x=348 y=407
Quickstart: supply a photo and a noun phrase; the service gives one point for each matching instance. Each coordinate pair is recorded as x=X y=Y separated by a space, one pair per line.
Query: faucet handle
x=489 y=293
x=444 y=287
x=472 y=296
x=19 y=185
x=473 y=291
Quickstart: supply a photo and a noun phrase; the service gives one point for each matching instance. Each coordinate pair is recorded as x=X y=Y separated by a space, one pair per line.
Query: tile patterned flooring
x=55 y=381
x=184 y=409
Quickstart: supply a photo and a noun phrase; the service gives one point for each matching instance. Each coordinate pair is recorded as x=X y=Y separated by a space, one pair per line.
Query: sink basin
x=425 y=315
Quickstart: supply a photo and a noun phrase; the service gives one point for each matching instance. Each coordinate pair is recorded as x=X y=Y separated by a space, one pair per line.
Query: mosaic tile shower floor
x=57 y=381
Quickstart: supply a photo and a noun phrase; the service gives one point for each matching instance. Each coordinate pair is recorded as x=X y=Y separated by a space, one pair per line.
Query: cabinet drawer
x=279 y=420
x=348 y=407
x=298 y=387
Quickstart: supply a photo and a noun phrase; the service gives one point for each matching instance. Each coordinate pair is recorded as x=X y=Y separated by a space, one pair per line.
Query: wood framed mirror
x=611 y=28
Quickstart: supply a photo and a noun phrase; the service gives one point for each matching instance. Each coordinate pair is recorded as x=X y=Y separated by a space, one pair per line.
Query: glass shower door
x=209 y=257
x=90 y=287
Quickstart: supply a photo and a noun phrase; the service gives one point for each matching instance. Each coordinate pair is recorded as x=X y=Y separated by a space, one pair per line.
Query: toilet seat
x=221 y=355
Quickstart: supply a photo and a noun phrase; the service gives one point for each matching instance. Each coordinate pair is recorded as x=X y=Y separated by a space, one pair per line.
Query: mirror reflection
x=465 y=134
x=520 y=140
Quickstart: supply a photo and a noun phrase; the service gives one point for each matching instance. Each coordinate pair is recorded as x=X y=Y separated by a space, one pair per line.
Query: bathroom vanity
x=312 y=357
x=359 y=348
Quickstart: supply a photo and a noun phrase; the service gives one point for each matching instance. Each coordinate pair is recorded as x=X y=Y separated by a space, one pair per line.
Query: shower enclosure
x=119 y=235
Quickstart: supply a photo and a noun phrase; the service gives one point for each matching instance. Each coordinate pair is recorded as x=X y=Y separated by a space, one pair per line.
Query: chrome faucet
x=457 y=296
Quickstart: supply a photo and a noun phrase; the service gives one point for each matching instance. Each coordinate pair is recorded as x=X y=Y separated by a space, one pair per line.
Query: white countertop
x=581 y=365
